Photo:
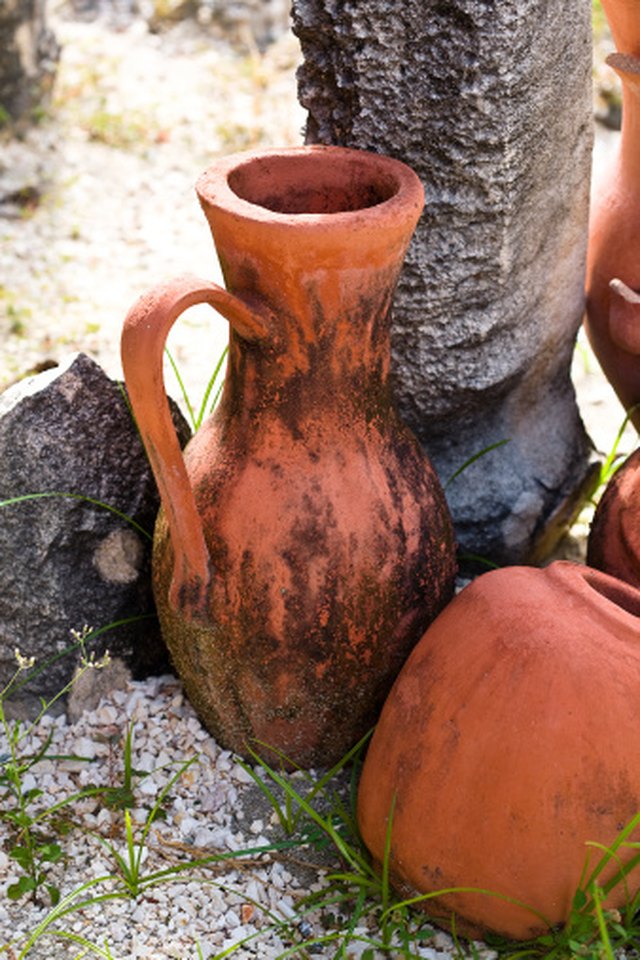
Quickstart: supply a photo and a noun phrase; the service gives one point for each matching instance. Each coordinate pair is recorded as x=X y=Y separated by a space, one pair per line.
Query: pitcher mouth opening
x=306 y=183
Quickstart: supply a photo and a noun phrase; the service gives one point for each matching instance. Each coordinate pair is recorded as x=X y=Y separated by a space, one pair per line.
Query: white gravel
x=213 y=808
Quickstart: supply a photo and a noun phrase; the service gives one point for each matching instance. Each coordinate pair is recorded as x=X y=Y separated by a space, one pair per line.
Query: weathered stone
x=66 y=561
x=29 y=59
x=490 y=103
x=90 y=686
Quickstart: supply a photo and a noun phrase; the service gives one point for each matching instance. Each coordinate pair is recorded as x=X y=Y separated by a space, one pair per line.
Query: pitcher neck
x=300 y=380
x=327 y=323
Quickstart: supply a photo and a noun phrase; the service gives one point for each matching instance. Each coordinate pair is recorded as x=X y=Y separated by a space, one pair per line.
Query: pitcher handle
x=144 y=335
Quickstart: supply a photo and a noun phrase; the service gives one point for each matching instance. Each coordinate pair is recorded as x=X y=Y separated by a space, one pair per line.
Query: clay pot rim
x=622 y=597
x=215 y=191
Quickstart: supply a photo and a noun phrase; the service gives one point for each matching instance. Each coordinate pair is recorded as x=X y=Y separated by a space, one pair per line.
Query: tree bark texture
x=490 y=103
x=28 y=61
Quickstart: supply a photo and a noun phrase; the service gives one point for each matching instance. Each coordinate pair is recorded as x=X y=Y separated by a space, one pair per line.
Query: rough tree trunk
x=491 y=104
x=28 y=59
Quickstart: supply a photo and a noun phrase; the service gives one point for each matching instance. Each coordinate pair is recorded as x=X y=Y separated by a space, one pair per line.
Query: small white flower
x=104 y=661
x=81 y=635
x=24 y=663
x=89 y=661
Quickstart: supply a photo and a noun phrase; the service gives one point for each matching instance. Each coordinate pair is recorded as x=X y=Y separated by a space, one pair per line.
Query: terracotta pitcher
x=507 y=743
x=304 y=542
x=613 y=265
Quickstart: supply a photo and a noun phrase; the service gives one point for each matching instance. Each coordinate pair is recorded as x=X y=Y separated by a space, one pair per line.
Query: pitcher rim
x=214 y=190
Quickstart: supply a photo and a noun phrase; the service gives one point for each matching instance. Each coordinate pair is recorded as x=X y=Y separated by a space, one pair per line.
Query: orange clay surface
x=507 y=741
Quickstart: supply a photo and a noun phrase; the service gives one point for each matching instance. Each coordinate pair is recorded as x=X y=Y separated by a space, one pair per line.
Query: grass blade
x=212 y=380
x=610 y=467
x=183 y=389
x=605 y=941
x=79 y=496
x=385 y=886
x=476 y=456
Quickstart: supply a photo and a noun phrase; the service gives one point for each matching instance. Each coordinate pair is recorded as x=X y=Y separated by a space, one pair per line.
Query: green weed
x=121 y=796
x=129 y=864
x=34 y=851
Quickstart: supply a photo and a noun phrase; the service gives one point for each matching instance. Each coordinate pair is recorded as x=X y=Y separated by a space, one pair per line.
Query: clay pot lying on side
x=509 y=742
x=614 y=538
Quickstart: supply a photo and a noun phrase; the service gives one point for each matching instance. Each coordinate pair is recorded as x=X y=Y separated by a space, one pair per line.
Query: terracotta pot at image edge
x=614 y=537
x=623 y=17
x=304 y=543
x=612 y=318
x=508 y=741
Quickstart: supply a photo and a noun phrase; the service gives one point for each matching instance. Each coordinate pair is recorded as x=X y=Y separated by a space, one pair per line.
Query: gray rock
x=490 y=103
x=29 y=59
x=66 y=561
